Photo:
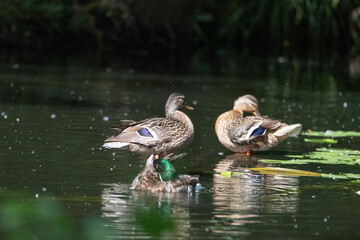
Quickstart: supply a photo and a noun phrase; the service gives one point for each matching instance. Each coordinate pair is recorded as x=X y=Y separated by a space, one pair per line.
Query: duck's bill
x=257 y=113
x=188 y=107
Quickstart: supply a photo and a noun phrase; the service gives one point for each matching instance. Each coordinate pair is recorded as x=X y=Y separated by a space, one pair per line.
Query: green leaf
x=323 y=156
x=321 y=140
x=205 y=17
x=330 y=133
x=285 y=171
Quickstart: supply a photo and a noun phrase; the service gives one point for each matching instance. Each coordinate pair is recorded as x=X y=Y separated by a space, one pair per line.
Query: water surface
x=54 y=120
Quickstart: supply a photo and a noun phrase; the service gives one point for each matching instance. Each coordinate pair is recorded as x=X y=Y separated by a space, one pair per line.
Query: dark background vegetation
x=181 y=26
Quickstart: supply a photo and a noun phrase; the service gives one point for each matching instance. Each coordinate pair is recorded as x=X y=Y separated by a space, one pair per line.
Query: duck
x=246 y=134
x=158 y=176
x=158 y=136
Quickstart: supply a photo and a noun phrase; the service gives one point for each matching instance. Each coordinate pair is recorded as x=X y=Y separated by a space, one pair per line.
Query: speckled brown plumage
x=166 y=135
x=233 y=129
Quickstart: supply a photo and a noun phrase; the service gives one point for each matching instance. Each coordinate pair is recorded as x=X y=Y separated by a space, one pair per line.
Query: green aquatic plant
x=285 y=171
x=354 y=176
x=330 y=133
x=295 y=173
x=45 y=218
x=331 y=156
x=321 y=155
x=321 y=140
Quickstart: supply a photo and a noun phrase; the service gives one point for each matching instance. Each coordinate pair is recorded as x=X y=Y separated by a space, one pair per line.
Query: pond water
x=54 y=120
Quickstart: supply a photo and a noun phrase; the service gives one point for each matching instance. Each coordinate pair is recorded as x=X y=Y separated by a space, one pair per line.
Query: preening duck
x=251 y=133
x=157 y=177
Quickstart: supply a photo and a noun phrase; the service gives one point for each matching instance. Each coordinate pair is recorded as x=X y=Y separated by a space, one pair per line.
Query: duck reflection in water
x=158 y=174
x=167 y=214
x=245 y=196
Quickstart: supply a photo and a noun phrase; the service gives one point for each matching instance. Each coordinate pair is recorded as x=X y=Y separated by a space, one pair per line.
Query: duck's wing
x=147 y=132
x=252 y=127
x=123 y=124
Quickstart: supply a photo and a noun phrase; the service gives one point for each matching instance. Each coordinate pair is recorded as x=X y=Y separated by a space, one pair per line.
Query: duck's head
x=165 y=169
x=174 y=102
x=247 y=103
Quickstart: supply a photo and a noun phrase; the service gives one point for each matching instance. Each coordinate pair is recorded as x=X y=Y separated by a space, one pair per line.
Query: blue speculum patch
x=258 y=132
x=144 y=132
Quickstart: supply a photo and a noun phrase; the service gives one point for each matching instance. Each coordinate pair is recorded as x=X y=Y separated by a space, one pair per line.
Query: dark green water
x=54 y=120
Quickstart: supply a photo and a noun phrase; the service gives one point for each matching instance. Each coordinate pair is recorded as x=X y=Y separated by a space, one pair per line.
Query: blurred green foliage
x=179 y=24
x=45 y=218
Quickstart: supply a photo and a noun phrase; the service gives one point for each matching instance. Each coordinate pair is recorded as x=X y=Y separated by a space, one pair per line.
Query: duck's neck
x=238 y=111
x=181 y=117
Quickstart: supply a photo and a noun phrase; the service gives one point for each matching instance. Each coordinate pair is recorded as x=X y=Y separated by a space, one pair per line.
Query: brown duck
x=251 y=133
x=159 y=136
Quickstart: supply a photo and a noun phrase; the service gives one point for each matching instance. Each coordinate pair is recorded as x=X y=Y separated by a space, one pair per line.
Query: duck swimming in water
x=159 y=136
x=251 y=133
x=157 y=177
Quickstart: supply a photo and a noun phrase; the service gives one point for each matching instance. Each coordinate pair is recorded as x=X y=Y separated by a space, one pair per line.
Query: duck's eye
x=144 y=132
x=258 y=131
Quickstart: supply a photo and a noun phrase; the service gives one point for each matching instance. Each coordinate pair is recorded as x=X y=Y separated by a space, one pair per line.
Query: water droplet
x=194 y=102
x=220 y=153
x=44 y=189
x=106 y=118
x=37 y=195
x=345 y=104
x=53 y=116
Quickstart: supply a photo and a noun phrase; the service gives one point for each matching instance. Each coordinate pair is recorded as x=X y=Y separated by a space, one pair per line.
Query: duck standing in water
x=159 y=136
x=251 y=133
x=157 y=177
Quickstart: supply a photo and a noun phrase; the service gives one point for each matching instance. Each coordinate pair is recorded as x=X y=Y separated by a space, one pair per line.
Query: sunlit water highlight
x=53 y=124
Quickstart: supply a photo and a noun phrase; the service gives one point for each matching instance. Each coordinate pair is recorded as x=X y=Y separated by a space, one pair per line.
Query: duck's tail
x=115 y=144
x=288 y=131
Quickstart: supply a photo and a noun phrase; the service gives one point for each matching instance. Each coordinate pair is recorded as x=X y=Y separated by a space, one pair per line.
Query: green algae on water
x=321 y=140
x=322 y=156
x=330 y=133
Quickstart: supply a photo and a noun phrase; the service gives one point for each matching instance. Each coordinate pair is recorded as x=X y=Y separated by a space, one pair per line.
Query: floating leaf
x=229 y=173
x=330 y=133
x=321 y=140
x=226 y=174
x=323 y=156
x=342 y=176
x=285 y=171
